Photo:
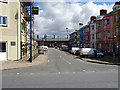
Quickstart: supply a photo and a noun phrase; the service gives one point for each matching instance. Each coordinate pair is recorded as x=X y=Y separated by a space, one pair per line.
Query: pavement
x=9 y=64
x=106 y=60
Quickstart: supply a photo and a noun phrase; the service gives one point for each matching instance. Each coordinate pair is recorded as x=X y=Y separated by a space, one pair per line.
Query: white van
x=45 y=48
x=74 y=49
x=90 y=52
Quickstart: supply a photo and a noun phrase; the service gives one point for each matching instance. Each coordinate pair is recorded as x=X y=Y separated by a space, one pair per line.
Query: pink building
x=108 y=33
x=87 y=36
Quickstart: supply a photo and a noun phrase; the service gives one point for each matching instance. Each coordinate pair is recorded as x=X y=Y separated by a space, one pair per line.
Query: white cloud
x=56 y=16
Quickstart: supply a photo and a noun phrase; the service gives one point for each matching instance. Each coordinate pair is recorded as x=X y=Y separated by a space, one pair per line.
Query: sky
x=55 y=17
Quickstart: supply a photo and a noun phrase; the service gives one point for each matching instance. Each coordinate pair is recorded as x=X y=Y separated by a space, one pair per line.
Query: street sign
x=35 y=10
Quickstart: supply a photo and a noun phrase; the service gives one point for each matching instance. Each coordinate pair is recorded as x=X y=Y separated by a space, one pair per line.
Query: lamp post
x=31 y=32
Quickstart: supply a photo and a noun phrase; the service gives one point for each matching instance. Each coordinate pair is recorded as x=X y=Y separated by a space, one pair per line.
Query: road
x=62 y=70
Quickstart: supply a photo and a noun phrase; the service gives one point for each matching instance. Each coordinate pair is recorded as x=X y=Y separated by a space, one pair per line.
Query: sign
x=35 y=10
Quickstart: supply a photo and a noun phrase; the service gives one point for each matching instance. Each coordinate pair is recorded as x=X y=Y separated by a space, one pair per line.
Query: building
x=87 y=36
x=108 y=33
x=14 y=28
x=93 y=32
x=100 y=31
x=73 y=39
x=116 y=27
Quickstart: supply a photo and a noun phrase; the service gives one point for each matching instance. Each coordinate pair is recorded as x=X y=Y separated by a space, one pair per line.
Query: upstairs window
x=107 y=21
x=117 y=31
x=117 y=17
x=92 y=27
x=98 y=25
x=107 y=34
x=3 y=21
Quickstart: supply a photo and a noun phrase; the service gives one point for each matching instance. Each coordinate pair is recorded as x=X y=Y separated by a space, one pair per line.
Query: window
x=117 y=17
x=92 y=27
x=98 y=35
x=107 y=21
x=12 y=43
x=117 y=32
x=3 y=21
x=107 y=47
x=98 y=25
x=107 y=34
x=2 y=47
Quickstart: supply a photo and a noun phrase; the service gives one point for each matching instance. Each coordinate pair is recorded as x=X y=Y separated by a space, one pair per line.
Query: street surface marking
x=48 y=60
x=18 y=73
x=74 y=72
x=68 y=62
x=58 y=72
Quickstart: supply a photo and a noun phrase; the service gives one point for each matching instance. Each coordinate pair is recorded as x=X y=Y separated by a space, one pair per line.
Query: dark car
x=40 y=51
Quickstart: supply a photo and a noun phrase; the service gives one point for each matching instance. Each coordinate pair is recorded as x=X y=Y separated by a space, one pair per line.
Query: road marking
x=68 y=62
x=58 y=72
x=83 y=70
x=74 y=72
x=31 y=73
x=18 y=73
x=48 y=60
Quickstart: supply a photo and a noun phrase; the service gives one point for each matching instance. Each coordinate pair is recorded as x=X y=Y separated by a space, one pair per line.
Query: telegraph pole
x=31 y=32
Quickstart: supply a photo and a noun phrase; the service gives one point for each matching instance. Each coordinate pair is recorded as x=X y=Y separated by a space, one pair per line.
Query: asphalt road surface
x=62 y=70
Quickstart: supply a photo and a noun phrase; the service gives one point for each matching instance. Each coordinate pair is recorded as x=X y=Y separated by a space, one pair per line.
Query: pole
x=31 y=32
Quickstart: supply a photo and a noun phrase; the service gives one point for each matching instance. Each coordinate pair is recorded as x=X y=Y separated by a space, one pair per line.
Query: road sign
x=35 y=10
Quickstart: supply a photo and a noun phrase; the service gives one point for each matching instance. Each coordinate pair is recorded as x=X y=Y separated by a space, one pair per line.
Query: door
x=3 y=51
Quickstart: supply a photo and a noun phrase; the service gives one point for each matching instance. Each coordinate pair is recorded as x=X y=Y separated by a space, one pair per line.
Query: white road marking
x=58 y=72
x=74 y=72
x=48 y=60
x=31 y=73
x=68 y=62
x=18 y=73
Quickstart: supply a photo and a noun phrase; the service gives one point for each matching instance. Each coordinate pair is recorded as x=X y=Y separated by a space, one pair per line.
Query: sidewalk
x=106 y=60
x=24 y=62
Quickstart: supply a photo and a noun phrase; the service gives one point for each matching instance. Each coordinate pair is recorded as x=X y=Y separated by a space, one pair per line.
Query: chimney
x=92 y=18
x=103 y=12
x=117 y=3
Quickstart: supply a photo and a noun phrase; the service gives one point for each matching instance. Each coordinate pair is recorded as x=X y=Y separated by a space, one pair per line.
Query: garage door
x=3 y=51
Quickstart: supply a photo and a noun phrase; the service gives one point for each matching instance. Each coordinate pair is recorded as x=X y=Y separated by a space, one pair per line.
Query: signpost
x=34 y=11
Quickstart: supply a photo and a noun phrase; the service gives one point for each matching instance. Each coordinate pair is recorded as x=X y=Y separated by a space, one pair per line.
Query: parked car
x=74 y=49
x=40 y=51
x=90 y=52
x=45 y=48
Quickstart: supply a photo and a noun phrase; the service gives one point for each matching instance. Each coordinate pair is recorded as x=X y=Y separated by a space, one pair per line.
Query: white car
x=45 y=48
x=90 y=52
x=74 y=49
